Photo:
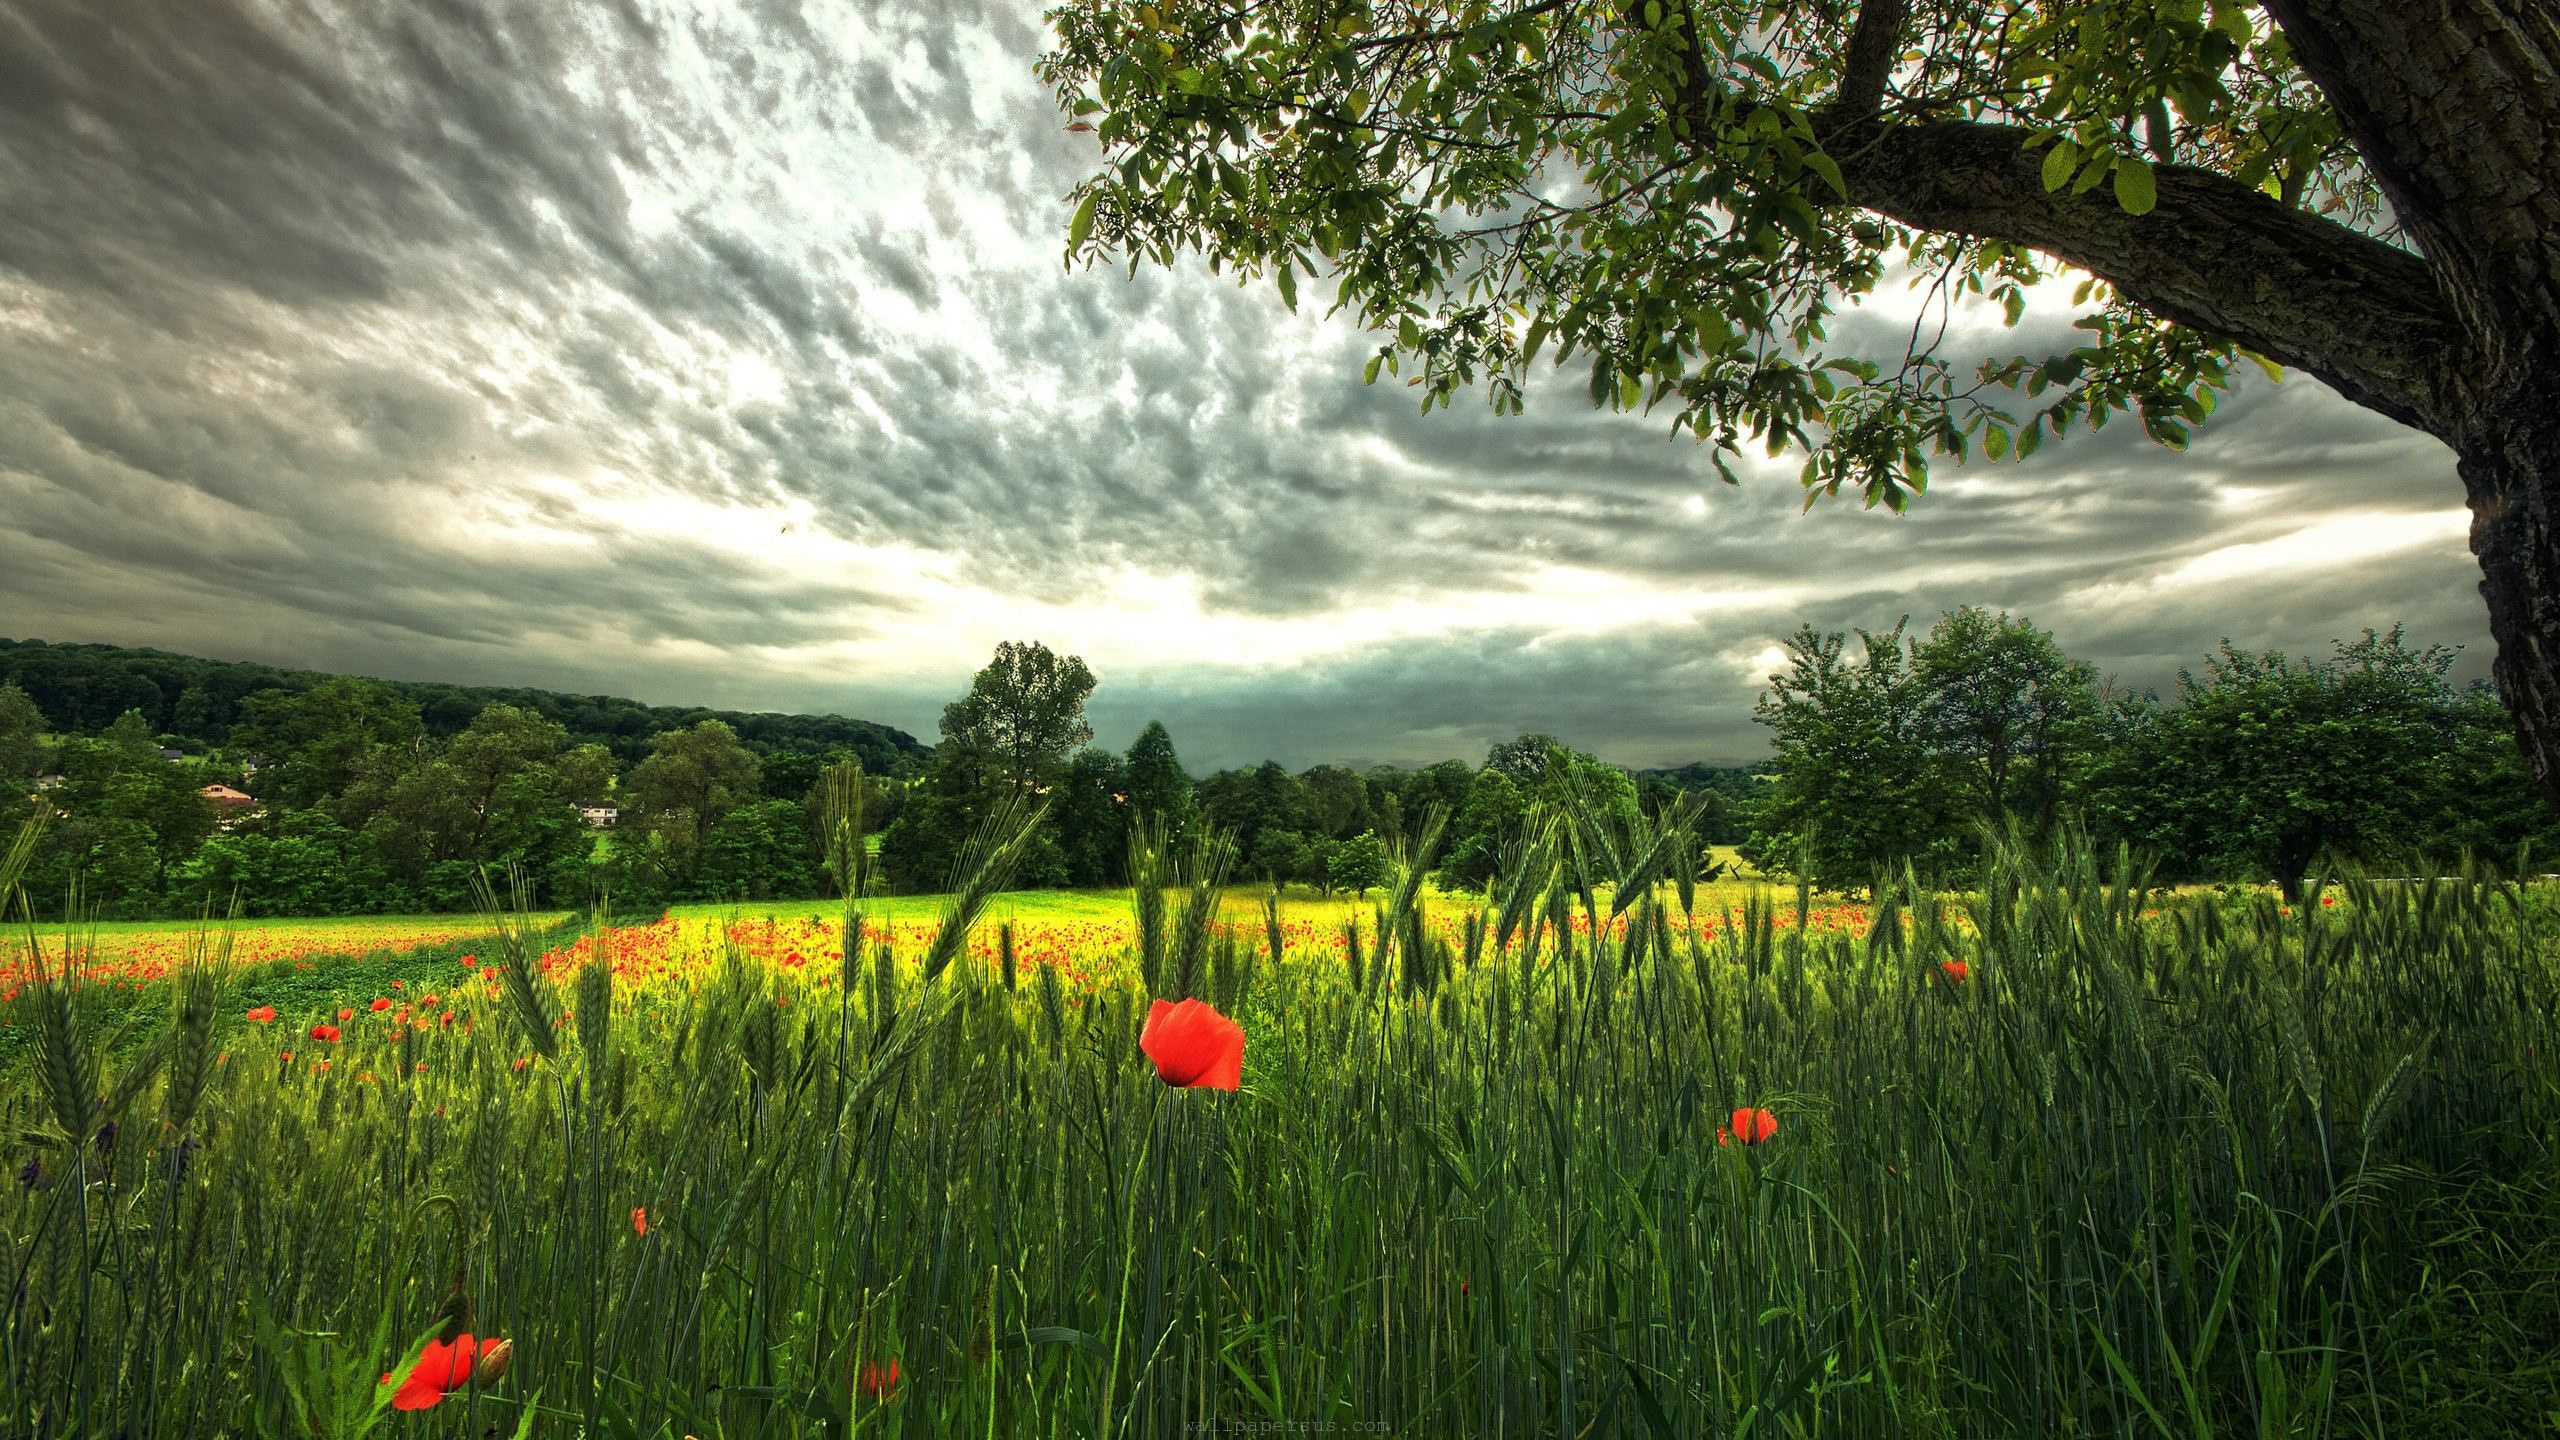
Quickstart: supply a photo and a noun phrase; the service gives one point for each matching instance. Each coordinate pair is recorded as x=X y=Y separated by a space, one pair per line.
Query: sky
x=725 y=355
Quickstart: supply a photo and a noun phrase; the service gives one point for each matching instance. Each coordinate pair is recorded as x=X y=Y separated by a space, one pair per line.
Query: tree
x=1023 y=716
x=1245 y=803
x=1686 y=195
x=1015 y=729
x=1360 y=864
x=1156 y=781
x=762 y=850
x=1337 y=801
x=324 y=740
x=2268 y=763
x=1854 y=789
x=1091 y=809
x=21 y=737
x=2006 y=710
x=1494 y=812
x=691 y=781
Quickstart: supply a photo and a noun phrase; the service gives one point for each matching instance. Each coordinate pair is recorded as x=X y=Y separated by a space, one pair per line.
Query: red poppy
x=1193 y=1045
x=345 y=1014
x=1956 y=971
x=879 y=1381
x=324 y=1032
x=443 y=1367
x=1750 y=1126
x=380 y=1005
x=263 y=1014
x=639 y=1220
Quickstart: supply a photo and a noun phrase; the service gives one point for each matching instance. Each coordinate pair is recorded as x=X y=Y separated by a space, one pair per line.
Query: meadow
x=2065 y=1155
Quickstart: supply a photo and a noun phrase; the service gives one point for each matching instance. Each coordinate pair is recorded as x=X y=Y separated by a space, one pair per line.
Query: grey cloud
x=286 y=295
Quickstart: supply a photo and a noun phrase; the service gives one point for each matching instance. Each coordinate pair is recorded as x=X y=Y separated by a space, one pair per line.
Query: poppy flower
x=346 y=1013
x=1956 y=971
x=324 y=1032
x=1750 y=1126
x=443 y=1367
x=639 y=1220
x=1193 y=1045
x=879 y=1381
x=264 y=1014
x=380 y=1005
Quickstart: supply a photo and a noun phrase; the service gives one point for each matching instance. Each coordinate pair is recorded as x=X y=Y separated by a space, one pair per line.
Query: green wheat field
x=2064 y=1154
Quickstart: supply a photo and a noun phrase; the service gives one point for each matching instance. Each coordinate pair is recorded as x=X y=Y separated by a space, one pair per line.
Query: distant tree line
x=1021 y=728
x=1915 y=749
x=343 y=795
x=339 y=797
x=195 y=704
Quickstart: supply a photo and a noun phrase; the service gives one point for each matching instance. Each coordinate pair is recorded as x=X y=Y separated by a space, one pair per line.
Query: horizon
x=732 y=359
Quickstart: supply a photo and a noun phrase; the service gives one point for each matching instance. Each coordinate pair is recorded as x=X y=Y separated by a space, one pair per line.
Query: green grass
x=2217 y=1172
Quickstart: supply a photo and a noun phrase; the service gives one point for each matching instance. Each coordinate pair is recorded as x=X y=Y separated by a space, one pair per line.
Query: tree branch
x=1875 y=41
x=2214 y=254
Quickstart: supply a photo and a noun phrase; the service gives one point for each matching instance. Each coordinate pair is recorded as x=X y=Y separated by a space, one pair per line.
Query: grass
x=2156 y=1165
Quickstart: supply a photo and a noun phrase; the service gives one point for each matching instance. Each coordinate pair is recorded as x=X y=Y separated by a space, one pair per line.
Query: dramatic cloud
x=727 y=357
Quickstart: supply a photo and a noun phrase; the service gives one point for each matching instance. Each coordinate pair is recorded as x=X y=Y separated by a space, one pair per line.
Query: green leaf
x=1829 y=169
x=1082 y=225
x=2136 y=189
x=2059 y=162
x=1288 y=278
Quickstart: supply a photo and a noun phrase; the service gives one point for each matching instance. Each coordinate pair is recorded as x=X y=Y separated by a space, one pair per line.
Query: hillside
x=83 y=688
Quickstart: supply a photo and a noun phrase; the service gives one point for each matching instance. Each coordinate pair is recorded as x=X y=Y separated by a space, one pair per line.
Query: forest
x=173 y=785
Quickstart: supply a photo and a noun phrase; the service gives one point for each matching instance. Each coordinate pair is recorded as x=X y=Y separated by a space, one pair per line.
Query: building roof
x=225 y=795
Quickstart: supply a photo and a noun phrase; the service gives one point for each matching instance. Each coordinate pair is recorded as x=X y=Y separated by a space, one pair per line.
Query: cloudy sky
x=727 y=357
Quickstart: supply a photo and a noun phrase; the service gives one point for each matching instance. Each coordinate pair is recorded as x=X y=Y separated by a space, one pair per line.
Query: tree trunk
x=2455 y=109
x=2511 y=468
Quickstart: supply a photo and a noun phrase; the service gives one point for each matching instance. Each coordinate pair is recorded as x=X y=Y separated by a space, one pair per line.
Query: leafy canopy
x=1683 y=194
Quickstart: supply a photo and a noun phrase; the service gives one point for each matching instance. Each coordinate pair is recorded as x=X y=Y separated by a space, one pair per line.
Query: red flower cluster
x=446 y=1366
x=325 y=1032
x=380 y=1005
x=264 y=1014
x=1194 y=1046
x=880 y=1382
x=1956 y=971
x=1750 y=1126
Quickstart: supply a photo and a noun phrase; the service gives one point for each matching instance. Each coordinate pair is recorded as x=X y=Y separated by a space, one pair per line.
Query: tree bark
x=2455 y=109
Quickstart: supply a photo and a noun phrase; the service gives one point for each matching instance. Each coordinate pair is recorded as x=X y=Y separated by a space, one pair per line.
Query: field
x=137 y=952
x=2078 y=1158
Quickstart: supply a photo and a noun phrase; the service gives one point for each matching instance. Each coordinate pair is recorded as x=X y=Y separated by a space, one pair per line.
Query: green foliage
x=1090 y=809
x=1022 y=718
x=1360 y=864
x=1684 y=197
x=2007 y=713
x=672 y=803
x=22 y=727
x=1856 y=790
x=759 y=851
x=1012 y=736
x=82 y=687
x=1156 y=782
x=2267 y=763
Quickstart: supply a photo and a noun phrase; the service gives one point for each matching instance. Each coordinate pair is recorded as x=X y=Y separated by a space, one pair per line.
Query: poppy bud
x=495 y=1357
